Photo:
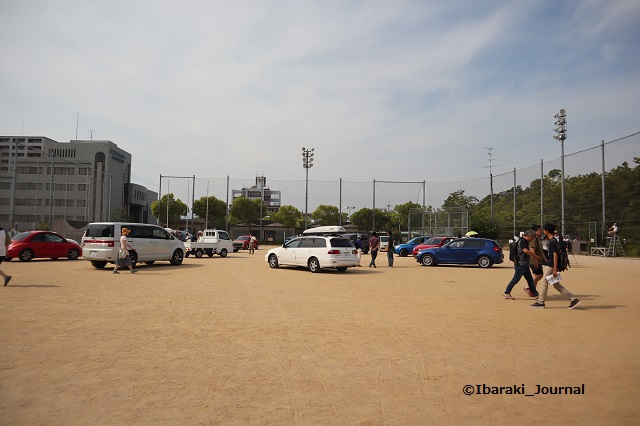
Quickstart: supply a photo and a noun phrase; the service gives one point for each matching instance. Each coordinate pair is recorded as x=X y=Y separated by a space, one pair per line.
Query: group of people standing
x=534 y=265
x=374 y=246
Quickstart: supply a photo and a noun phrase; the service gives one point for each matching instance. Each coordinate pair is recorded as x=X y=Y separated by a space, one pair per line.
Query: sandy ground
x=231 y=341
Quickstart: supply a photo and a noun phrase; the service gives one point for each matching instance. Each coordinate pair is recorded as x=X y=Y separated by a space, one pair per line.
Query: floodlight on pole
x=561 y=135
x=307 y=163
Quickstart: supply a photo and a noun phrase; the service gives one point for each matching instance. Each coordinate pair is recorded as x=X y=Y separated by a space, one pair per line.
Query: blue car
x=404 y=249
x=463 y=251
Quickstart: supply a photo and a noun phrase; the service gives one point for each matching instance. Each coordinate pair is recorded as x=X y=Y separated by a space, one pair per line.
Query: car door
x=57 y=246
x=40 y=245
x=450 y=253
x=224 y=241
x=304 y=251
x=141 y=240
x=287 y=255
x=471 y=250
x=162 y=244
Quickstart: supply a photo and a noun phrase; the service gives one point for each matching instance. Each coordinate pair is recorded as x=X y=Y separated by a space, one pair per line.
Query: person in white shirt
x=5 y=241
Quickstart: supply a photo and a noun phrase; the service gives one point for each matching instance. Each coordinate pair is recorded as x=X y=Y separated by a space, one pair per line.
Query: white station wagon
x=315 y=252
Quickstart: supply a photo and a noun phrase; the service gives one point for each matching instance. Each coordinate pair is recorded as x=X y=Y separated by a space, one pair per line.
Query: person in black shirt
x=551 y=269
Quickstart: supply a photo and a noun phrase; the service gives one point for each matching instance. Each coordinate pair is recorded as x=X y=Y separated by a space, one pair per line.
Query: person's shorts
x=536 y=270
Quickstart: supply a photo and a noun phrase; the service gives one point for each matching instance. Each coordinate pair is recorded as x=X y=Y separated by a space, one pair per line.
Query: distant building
x=260 y=191
x=42 y=181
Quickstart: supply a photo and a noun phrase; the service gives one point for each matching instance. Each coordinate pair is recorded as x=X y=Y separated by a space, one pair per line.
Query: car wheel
x=151 y=262
x=404 y=252
x=98 y=264
x=365 y=250
x=134 y=258
x=314 y=265
x=342 y=269
x=25 y=255
x=73 y=254
x=177 y=257
x=198 y=254
x=223 y=253
x=273 y=261
x=485 y=262
x=428 y=260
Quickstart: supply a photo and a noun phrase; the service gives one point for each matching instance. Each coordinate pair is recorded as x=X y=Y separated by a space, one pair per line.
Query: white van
x=101 y=243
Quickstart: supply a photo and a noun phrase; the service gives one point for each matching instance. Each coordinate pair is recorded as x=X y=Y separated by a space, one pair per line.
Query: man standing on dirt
x=374 y=244
x=390 y=249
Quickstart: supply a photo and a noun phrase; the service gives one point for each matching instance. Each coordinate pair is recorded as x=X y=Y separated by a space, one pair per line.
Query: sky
x=384 y=90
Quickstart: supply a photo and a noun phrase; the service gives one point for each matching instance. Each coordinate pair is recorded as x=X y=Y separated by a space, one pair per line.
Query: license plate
x=93 y=254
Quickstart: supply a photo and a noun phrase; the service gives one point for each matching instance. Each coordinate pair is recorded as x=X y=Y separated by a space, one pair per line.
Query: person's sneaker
x=7 y=279
x=528 y=291
x=537 y=305
x=573 y=304
x=115 y=272
x=133 y=271
x=508 y=296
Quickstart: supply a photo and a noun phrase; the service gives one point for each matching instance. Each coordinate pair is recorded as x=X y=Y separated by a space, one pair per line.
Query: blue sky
x=385 y=90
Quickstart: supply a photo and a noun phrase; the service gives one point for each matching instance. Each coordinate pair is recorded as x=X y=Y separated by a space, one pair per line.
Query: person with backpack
x=551 y=269
x=5 y=241
x=537 y=262
x=521 y=263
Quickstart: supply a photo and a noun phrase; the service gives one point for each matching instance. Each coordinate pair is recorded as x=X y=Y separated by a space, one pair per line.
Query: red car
x=430 y=243
x=31 y=244
x=244 y=239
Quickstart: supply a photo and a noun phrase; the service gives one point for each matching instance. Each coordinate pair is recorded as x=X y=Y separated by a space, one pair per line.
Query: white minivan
x=101 y=243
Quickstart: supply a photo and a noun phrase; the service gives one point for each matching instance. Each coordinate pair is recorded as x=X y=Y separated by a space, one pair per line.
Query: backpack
x=513 y=252
x=563 y=257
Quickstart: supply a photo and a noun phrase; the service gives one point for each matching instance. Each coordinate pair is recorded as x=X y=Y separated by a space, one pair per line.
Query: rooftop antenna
x=91 y=134
x=490 y=167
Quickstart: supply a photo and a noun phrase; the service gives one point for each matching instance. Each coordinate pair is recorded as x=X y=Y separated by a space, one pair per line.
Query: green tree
x=458 y=199
x=402 y=212
x=246 y=211
x=288 y=216
x=215 y=214
x=120 y=215
x=325 y=215
x=363 y=219
x=176 y=209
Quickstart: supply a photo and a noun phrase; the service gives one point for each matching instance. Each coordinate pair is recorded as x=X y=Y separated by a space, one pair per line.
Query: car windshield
x=433 y=241
x=242 y=238
x=21 y=236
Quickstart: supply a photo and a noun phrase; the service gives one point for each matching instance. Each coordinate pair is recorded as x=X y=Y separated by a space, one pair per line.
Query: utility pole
x=490 y=167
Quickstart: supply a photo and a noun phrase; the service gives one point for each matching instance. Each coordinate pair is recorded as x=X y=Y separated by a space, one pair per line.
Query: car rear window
x=21 y=236
x=94 y=231
x=340 y=242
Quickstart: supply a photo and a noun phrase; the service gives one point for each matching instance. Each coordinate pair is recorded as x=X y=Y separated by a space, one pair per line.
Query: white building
x=43 y=181
x=260 y=191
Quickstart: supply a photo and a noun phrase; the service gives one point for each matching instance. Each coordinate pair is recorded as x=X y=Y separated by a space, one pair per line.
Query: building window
x=81 y=203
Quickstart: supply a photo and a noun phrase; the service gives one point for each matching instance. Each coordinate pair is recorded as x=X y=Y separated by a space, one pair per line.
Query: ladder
x=615 y=247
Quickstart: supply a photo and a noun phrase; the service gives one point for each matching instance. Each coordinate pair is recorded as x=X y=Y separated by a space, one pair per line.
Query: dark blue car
x=463 y=251
x=404 y=249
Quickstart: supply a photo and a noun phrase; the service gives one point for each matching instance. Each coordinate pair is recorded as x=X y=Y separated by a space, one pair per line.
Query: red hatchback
x=244 y=239
x=430 y=243
x=31 y=244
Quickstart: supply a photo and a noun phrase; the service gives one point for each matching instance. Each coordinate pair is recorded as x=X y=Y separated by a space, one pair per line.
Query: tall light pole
x=561 y=135
x=307 y=163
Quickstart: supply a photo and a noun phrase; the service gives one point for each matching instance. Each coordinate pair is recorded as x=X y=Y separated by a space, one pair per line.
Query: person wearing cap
x=522 y=265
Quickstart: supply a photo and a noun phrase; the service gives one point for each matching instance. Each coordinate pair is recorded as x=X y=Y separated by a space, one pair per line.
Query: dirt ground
x=231 y=341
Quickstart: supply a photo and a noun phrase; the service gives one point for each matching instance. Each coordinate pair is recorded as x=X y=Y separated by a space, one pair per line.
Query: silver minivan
x=101 y=243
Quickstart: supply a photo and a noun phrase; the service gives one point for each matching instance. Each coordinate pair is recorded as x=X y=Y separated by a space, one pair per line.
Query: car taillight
x=333 y=252
x=354 y=251
x=498 y=249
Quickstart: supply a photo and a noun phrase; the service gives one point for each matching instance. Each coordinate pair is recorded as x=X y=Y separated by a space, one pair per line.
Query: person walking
x=123 y=254
x=374 y=243
x=358 y=246
x=390 y=249
x=5 y=241
x=536 y=262
x=521 y=266
x=551 y=270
